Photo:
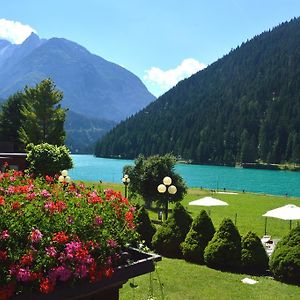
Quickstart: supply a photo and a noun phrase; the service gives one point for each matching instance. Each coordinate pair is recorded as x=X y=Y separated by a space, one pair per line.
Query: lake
x=90 y=168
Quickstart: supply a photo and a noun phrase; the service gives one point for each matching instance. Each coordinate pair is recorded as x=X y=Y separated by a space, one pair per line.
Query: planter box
x=106 y=289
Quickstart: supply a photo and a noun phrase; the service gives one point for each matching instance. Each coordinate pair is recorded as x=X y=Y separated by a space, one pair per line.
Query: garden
x=55 y=232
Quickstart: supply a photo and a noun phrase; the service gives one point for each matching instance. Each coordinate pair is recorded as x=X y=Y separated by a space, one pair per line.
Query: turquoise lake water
x=88 y=167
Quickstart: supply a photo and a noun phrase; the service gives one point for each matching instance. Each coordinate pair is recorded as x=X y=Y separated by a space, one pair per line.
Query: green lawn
x=182 y=280
x=185 y=281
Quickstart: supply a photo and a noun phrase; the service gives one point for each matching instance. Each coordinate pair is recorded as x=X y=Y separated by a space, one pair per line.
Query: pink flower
x=12 y=178
x=45 y=193
x=4 y=235
x=35 y=235
x=30 y=196
x=112 y=243
x=23 y=274
x=51 y=251
x=98 y=220
x=81 y=271
x=61 y=273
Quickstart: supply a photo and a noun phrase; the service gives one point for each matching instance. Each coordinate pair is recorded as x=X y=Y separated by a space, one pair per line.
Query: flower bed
x=52 y=233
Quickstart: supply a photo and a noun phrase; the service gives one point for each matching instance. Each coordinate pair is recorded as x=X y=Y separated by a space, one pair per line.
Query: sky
x=160 y=41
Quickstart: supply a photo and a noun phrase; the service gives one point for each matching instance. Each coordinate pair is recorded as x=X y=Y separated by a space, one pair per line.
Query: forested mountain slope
x=242 y=108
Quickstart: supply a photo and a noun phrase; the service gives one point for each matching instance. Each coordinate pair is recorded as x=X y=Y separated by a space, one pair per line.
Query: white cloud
x=14 y=31
x=169 y=78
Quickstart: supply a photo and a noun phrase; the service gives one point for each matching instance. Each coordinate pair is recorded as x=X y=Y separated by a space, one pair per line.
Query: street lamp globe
x=64 y=173
x=172 y=189
x=61 y=178
x=167 y=180
x=162 y=188
x=126 y=181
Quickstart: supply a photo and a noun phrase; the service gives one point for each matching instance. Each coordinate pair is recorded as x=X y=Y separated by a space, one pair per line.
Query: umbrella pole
x=265 y=225
x=235 y=219
x=290 y=224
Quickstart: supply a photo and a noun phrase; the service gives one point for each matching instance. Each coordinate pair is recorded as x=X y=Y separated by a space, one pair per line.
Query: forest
x=243 y=108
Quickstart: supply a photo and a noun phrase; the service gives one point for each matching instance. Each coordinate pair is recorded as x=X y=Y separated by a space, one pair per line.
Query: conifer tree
x=43 y=116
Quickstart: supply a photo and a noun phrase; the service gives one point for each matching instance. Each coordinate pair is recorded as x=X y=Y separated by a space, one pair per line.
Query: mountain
x=245 y=107
x=82 y=132
x=93 y=87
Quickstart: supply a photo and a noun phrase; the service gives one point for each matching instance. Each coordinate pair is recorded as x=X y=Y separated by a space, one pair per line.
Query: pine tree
x=43 y=116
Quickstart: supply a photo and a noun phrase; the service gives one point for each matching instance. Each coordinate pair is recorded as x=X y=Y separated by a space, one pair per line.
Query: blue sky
x=161 y=41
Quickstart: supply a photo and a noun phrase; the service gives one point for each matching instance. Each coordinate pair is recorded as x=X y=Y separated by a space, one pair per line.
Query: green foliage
x=144 y=226
x=148 y=173
x=42 y=114
x=11 y=120
x=244 y=107
x=254 y=259
x=201 y=232
x=87 y=232
x=47 y=159
x=224 y=250
x=167 y=239
x=285 y=260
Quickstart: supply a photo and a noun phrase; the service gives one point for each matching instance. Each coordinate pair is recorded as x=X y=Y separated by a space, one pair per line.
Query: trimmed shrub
x=201 y=232
x=254 y=259
x=285 y=260
x=167 y=239
x=223 y=252
x=144 y=226
x=46 y=159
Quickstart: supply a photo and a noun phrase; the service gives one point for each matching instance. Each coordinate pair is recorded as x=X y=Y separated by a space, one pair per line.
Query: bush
x=285 y=260
x=51 y=234
x=46 y=159
x=201 y=232
x=144 y=226
x=254 y=259
x=167 y=239
x=224 y=250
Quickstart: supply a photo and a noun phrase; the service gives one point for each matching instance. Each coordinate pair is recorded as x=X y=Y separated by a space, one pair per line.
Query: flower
x=46 y=286
x=35 y=236
x=50 y=233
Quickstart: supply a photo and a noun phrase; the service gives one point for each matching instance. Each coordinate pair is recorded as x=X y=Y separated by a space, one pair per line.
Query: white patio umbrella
x=287 y=212
x=208 y=201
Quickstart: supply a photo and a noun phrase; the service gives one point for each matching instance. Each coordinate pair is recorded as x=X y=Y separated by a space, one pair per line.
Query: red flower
x=109 y=272
x=60 y=237
x=2 y=201
x=26 y=259
x=46 y=286
x=129 y=219
x=3 y=255
x=16 y=205
x=49 y=179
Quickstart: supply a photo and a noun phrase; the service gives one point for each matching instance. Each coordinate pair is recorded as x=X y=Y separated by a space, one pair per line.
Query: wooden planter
x=108 y=288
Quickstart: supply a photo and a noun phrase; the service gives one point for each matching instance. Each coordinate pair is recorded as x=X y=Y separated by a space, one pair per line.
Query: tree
x=285 y=260
x=254 y=258
x=144 y=226
x=11 y=120
x=167 y=239
x=43 y=116
x=201 y=232
x=46 y=159
x=223 y=252
x=148 y=173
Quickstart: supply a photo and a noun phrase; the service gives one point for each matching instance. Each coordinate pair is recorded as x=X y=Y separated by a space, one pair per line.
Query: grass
x=182 y=280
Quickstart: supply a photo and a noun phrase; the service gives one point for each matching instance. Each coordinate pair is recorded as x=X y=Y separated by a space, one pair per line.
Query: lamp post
x=164 y=187
x=126 y=181
x=64 y=178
